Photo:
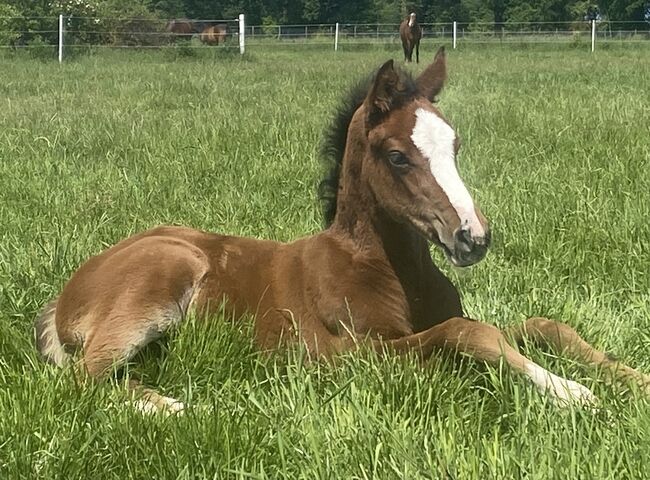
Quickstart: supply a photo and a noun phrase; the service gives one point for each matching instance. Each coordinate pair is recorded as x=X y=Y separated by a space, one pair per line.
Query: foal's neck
x=374 y=232
x=360 y=219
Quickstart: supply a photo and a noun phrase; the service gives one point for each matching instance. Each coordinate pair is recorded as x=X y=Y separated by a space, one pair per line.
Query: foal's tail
x=47 y=340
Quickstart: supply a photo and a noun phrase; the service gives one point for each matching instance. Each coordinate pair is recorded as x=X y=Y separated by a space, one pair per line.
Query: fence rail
x=149 y=33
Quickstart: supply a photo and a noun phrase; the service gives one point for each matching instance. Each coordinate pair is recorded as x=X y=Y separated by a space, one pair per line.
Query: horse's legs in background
x=406 y=51
x=563 y=339
x=485 y=343
x=417 y=51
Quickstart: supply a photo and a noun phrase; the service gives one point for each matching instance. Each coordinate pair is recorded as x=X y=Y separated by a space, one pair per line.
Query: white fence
x=455 y=33
x=69 y=33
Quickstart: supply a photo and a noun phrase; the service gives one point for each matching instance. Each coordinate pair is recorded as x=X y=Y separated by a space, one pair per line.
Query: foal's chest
x=367 y=308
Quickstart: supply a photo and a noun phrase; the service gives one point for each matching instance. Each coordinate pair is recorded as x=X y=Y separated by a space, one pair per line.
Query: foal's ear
x=432 y=79
x=381 y=94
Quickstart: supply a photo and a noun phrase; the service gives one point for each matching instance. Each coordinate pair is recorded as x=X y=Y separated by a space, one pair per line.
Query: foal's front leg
x=487 y=343
x=564 y=340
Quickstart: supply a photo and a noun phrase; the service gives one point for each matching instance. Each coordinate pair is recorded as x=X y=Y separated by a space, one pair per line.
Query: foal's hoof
x=566 y=393
x=164 y=405
x=563 y=392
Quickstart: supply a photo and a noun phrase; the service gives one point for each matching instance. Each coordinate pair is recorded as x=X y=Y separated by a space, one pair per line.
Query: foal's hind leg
x=119 y=337
x=129 y=296
x=563 y=339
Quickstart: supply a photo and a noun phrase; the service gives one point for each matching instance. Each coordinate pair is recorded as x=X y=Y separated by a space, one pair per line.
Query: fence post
x=60 y=38
x=593 y=35
x=454 y=36
x=242 y=27
x=336 y=38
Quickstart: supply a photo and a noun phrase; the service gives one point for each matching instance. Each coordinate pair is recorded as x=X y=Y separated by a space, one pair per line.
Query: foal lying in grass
x=368 y=279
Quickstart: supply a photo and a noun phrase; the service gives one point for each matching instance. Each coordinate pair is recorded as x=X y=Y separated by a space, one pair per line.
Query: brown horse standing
x=410 y=33
x=214 y=34
x=368 y=279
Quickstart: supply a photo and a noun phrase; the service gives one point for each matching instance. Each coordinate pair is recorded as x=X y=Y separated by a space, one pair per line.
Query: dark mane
x=335 y=138
x=333 y=148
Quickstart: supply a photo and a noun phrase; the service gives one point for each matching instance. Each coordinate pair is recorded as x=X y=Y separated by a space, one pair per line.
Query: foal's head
x=409 y=161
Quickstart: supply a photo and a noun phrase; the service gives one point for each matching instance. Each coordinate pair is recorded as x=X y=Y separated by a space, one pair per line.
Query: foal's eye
x=398 y=159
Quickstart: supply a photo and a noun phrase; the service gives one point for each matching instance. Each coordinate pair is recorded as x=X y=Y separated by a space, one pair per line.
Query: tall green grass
x=555 y=150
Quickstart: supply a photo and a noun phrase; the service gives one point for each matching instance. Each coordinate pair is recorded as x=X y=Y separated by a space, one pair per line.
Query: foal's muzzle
x=469 y=249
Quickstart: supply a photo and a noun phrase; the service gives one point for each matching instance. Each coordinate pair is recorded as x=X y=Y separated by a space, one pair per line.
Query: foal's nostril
x=488 y=238
x=469 y=249
x=464 y=241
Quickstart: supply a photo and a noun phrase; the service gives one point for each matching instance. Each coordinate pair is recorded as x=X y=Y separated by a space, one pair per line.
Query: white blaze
x=435 y=140
x=411 y=19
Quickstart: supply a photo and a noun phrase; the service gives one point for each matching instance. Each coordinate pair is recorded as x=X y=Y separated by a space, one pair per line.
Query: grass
x=555 y=149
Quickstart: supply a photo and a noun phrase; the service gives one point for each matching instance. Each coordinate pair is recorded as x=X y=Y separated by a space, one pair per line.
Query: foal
x=368 y=279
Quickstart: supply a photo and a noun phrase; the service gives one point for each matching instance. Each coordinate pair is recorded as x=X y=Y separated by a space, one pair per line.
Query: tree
x=624 y=10
x=8 y=31
x=444 y=11
x=170 y=8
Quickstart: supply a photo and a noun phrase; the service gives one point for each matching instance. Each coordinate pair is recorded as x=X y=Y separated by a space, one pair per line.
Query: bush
x=110 y=22
x=79 y=20
x=8 y=26
x=40 y=49
x=130 y=23
x=269 y=25
x=181 y=49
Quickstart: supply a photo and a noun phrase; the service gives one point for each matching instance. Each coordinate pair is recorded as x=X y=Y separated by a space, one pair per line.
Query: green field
x=556 y=149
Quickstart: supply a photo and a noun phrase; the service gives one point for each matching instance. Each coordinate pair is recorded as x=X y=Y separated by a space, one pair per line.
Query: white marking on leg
x=144 y=406
x=564 y=392
x=165 y=405
x=435 y=140
x=173 y=405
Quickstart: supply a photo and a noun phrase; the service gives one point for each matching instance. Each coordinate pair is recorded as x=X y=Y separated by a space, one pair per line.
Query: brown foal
x=214 y=34
x=368 y=279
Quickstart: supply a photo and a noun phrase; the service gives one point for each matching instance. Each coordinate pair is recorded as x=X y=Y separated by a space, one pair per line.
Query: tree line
x=104 y=15
x=350 y=11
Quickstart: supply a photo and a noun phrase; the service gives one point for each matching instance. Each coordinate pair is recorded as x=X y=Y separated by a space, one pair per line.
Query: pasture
x=556 y=151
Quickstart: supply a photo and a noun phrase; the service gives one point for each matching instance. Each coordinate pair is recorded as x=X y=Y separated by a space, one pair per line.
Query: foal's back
x=313 y=288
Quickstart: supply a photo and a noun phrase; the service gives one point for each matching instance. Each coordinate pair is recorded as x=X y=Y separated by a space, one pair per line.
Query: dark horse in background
x=410 y=33
x=182 y=29
x=208 y=34
x=366 y=280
